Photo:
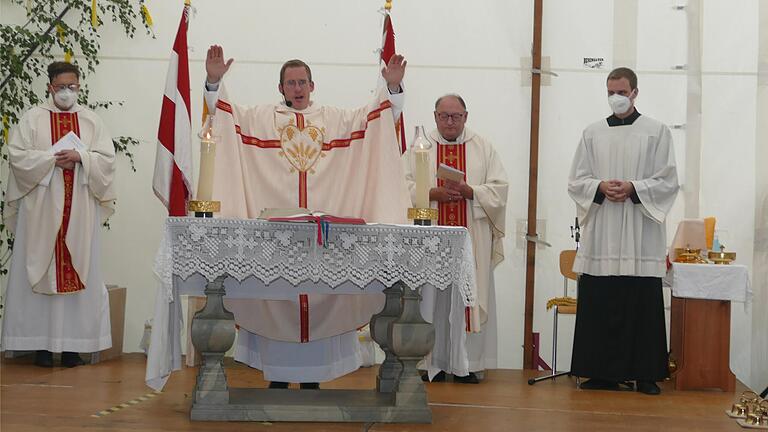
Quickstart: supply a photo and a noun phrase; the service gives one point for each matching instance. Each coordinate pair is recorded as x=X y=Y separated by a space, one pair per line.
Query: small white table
x=700 y=328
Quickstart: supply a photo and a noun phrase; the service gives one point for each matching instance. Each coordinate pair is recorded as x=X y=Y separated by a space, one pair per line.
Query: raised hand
x=394 y=71
x=215 y=65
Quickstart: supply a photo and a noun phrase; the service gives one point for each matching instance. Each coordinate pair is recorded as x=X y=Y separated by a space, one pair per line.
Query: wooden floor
x=36 y=399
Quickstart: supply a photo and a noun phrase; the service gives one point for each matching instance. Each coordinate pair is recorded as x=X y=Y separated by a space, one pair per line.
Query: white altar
x=260 y=259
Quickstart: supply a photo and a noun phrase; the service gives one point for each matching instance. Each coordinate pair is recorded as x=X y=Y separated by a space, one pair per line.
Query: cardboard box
x=117 y=322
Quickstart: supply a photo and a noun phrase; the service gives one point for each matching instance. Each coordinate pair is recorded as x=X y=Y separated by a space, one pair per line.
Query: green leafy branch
x=56 y=29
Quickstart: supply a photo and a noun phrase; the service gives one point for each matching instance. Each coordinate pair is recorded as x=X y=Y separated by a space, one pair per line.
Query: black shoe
x=309 y=386
x=278 y=385
x=601 y=384
x=44 y=358
x=71 y=359
x=468 y=379
x=648 y=387
x=440 y=377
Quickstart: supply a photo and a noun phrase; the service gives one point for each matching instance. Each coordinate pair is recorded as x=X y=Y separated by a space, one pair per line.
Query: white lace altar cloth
x=360 y=254
x=284 y=257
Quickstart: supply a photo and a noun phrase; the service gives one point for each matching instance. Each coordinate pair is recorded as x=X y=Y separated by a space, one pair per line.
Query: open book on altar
x=322 y=220
x=304 y=215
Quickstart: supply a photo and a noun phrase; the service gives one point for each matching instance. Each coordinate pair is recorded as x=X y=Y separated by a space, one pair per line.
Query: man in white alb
x=624 y=182
x=59 y=193
x=479 y=203
x=299 y=154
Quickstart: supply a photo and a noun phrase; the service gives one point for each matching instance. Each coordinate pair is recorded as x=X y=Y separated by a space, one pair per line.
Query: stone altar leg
x=411 y=338
x=213 y=333
x=386 y=381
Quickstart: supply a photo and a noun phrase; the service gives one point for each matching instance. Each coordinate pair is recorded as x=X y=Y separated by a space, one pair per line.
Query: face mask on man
x=65 y=98
x=619 y=104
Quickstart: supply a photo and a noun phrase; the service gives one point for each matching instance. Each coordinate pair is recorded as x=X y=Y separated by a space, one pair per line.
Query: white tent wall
x=475 y=49
x=729 y=65
x=760 y=269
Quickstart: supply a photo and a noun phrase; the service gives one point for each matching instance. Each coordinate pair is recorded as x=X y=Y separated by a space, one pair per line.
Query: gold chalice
x=721 y=257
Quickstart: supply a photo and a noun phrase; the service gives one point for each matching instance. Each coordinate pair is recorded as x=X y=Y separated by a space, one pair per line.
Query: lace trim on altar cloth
x=360 y=254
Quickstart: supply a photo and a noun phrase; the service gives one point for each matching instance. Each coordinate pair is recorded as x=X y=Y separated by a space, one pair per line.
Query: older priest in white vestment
x=624 y=182
x=479 y=203
x=299 y=154
x=59 y=193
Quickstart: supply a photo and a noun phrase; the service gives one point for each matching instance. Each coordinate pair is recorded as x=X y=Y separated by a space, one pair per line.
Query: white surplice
x=341 y=162
x=486 y=223
x=624 y=239
x=77 y=321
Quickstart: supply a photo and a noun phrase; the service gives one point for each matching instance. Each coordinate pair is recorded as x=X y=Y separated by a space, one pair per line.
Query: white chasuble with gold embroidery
x=341 y=162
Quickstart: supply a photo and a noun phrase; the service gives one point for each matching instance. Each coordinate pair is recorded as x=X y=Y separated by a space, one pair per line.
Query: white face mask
x=65 y=99
x=619 y=104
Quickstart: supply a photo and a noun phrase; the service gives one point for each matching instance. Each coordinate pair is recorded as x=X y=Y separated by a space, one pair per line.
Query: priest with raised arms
x=624 y=182
x=299 y=154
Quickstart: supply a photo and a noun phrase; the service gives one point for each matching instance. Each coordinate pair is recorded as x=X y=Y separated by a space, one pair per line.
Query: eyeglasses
x=60 y=87
x=294 y=83
x=455 y=116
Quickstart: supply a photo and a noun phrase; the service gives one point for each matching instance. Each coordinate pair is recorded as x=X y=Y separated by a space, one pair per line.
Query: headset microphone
x=288 y=103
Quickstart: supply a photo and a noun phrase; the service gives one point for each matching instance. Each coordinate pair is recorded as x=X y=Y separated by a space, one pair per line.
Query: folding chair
x=562 y=305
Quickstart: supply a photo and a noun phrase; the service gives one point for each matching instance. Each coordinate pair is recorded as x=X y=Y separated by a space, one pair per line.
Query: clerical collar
x=615 y=121
x=459 y=139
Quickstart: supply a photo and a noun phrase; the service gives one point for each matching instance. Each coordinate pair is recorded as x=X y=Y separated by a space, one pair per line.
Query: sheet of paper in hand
x=69 y=141
x=449 y=173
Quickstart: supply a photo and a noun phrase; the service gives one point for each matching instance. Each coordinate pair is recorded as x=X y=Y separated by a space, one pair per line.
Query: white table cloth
x=274 y=260
x=710 y=281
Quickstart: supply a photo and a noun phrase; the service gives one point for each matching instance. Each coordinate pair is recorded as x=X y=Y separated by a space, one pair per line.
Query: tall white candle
x=421 y=148
x=207 y=161
x=422 y=178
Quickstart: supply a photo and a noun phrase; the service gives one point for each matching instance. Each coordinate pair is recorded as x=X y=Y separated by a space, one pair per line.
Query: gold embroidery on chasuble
x=301 y=145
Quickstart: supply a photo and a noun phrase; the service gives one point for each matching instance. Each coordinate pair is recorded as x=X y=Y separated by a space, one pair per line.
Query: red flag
x=173 y=160
x=387 y=51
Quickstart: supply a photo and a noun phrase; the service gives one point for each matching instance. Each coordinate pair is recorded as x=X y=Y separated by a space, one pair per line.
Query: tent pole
x=533 y=169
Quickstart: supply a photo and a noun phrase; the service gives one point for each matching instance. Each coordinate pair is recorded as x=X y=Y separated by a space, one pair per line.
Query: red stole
x=302 y=174
x=454 y=213
x=67 y=279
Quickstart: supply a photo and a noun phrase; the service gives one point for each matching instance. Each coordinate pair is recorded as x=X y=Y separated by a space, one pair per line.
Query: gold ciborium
x=688 y=255
x=721 y=257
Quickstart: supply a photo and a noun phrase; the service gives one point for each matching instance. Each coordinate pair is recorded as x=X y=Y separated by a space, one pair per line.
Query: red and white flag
x=387 y=51
x=173 y=161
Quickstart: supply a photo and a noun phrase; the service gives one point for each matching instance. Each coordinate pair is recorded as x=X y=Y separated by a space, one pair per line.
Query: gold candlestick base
x=423 y=216
x=204 y=208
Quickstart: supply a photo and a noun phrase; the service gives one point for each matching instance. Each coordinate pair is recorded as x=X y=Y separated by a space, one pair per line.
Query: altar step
x=267 y=405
